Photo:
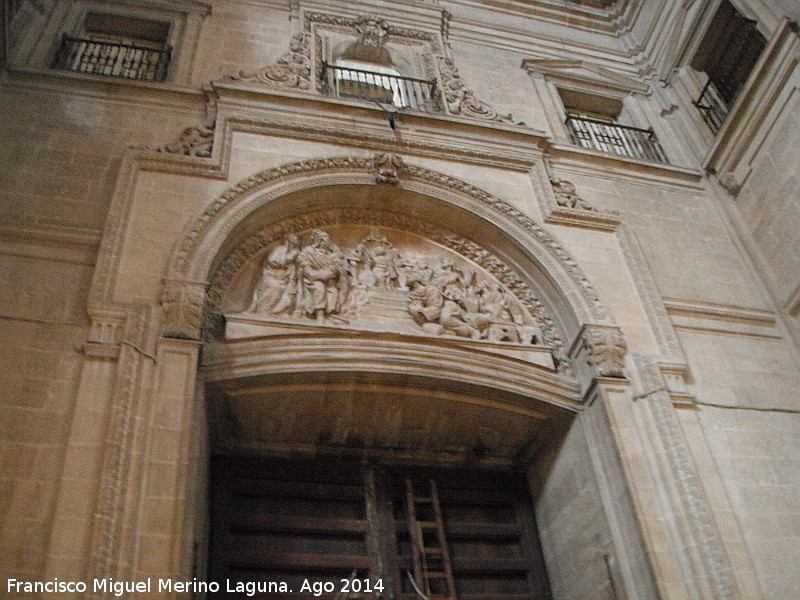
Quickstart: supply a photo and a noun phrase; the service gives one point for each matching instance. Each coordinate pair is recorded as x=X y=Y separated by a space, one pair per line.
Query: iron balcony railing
x=395 y=90
x=714 y=104
x=117 y=60
x=617 y=139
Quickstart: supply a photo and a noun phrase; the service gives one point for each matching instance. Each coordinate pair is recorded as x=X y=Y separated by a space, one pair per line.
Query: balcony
x=610 y=137
x=383 y=88
x=129 y=61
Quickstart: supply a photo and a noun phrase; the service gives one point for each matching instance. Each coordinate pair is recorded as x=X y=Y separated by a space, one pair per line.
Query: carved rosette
x=605 y=350
x=182 y=309
x=292 y=70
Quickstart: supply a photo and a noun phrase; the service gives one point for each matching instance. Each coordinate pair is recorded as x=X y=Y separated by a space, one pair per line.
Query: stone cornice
x=351 y=123
x=625 y=168
x=374 y=352
x=49 y=241
x=105 y=88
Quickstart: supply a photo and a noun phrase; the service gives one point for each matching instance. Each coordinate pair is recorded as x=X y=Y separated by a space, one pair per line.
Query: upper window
x=593 y=122
x=727 y=56
x=118 y=46
x=368 y=71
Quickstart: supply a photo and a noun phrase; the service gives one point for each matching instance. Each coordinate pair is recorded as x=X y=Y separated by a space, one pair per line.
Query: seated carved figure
x=455 y=318
x=424 y=302
x=276 y=290
x=323 y=278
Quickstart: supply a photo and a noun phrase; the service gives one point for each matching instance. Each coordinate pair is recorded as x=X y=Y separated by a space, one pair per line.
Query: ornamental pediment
x=373 y=276
x=584 y=74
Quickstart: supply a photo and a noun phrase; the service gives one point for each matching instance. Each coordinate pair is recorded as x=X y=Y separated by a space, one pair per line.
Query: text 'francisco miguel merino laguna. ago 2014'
x=247 y=588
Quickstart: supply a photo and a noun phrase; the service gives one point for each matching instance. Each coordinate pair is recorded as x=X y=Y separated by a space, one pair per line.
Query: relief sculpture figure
x=379 y=260
x=276 y=291
x=323 y=278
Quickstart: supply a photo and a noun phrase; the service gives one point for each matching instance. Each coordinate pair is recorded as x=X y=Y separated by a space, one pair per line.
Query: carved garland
x=466 y=248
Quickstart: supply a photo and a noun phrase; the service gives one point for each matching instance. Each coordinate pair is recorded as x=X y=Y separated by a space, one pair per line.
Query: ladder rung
x=428 y=524
x=423 y=499
x=432 y=550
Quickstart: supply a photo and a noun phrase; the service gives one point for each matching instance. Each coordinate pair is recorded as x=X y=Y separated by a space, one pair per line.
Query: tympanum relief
x=381 y=280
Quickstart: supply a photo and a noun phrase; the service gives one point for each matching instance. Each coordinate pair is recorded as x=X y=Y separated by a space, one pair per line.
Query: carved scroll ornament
x=292 y=70
x=194 y=141
x=462 y=101
x=567 y=196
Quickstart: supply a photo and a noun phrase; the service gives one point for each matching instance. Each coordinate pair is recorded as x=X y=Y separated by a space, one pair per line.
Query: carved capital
x=605 y=349
x=182 y=309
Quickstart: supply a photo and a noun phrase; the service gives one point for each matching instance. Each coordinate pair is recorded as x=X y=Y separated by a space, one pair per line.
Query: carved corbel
x=462 y=101
x=605 y=350
x=182 y=309
x=599 y=352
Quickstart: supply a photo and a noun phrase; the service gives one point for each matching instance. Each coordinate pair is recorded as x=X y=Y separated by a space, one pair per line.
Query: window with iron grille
x=592 y=123
x=118 y=46
x=727 y=55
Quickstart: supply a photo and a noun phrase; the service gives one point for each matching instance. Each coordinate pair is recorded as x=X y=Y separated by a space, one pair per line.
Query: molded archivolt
x=353 y=184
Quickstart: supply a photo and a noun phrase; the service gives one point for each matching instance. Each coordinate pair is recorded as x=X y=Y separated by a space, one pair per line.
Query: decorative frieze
x=379 y=273
x=414 y=288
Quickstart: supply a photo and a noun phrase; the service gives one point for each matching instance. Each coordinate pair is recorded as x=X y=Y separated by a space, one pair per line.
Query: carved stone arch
x=295 y=188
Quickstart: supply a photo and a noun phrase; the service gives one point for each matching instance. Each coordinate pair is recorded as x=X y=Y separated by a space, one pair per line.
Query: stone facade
x=622 y=330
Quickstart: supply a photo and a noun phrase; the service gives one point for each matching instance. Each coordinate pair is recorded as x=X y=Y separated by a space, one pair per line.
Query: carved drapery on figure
x=322 y=277
x=606 y=350
x=316 y=280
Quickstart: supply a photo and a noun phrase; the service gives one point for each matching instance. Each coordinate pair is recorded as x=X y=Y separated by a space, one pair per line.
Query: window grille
x=116 y=59
x=380 y=85
x=608 y=136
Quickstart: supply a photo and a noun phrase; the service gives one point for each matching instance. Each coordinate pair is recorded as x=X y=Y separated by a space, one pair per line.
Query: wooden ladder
x=433 y=571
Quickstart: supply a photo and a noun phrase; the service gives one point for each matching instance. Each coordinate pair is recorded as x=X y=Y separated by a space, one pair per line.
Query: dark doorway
x=352 y=526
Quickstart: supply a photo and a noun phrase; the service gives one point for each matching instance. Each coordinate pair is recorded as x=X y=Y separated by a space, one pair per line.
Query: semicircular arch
x=291 y=190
